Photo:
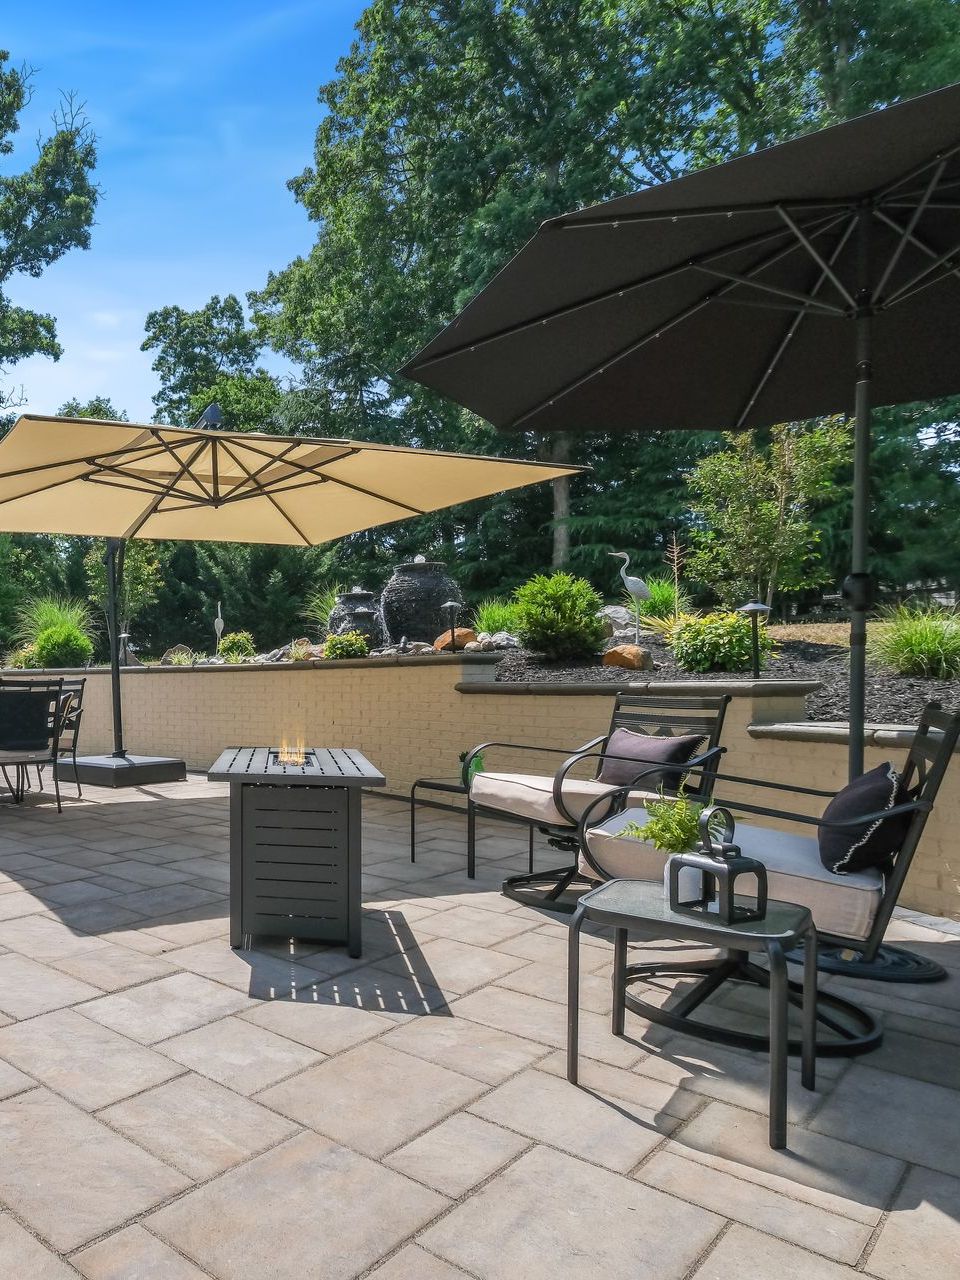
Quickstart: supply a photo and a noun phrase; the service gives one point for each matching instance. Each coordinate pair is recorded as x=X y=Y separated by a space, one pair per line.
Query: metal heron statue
x=636 y=587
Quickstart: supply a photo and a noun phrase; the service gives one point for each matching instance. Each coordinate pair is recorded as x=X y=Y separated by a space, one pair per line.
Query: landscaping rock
x=630 y=656
x=178 y=650
x=487 y=645
x=615 y=618
x=462 y=636
x=504 y=640
x=473 y=646
x=419 y=646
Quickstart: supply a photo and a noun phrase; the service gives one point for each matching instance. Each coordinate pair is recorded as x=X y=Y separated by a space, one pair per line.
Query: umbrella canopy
x=724 y=300
x=119 y=480
x=122 y=480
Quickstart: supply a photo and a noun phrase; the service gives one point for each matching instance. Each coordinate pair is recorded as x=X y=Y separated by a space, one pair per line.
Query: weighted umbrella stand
x=119 y=769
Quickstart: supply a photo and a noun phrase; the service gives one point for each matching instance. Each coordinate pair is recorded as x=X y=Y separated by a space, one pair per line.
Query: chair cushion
x=531 y=796
x=647 y=749
x=845 y=905
x=872 y=844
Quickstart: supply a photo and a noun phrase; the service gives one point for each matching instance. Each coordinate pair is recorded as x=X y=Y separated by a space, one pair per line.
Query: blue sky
x=202 y=112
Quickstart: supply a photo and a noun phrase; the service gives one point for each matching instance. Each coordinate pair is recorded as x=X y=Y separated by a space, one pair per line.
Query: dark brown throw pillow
x=643 y=752
x=872 y=845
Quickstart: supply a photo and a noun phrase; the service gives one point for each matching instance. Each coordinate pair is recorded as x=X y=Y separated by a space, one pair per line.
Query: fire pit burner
x=295 y=841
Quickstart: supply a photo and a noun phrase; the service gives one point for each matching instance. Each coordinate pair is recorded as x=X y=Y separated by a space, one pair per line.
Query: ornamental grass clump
x=352 y=644
x=557 y=616
x=667 y=600
x=496 y=614
x=43 y=612
x=321 y=604
x=918 y=640
x=673 y=824
x=717 y=642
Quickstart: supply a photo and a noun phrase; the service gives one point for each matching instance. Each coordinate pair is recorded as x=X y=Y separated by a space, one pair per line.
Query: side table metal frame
x=779 y=988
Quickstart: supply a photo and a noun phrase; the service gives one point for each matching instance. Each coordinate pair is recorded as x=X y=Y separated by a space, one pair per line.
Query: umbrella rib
x=908 y=231
x=818 y=257
x=153 y=506
x=277 y=457
x=268 y=495
x=791 y=330
x=172 y=451
x=942 y=155
x=804 y=299
x=85 y=460
x=704 y=211
x=284 y=458
x=656 y=277
x=149 y=487
x=654 y=333
x=914 y=238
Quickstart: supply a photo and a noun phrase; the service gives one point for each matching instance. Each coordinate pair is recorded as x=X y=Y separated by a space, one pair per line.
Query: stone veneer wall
x=412 y=717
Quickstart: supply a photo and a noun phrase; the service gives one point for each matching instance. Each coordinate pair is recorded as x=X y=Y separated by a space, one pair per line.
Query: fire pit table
x=295 y=841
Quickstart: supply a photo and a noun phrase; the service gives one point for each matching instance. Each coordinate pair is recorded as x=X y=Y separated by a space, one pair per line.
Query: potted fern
x=673 y=825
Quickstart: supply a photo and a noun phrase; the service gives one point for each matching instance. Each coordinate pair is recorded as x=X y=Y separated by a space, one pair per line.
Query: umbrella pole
x=113 y=559
x=857 y=587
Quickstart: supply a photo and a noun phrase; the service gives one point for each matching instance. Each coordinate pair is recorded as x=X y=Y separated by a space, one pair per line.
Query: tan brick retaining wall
x=412 y=717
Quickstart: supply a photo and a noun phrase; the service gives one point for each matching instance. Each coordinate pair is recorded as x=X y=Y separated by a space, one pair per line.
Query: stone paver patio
x=169 y=1108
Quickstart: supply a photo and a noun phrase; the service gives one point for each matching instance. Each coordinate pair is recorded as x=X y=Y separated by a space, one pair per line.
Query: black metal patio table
x=641 y=908
x=295 y=841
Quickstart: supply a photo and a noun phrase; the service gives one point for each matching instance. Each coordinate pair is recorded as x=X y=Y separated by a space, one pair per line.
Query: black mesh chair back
x=674 y=718
x=29 y=718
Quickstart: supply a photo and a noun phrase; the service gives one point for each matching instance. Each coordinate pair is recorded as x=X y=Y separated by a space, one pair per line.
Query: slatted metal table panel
x=295 y=842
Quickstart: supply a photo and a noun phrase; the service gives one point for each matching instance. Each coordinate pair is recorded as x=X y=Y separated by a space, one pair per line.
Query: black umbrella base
x=890 y=964
x=122 y=771
x=843 y=1028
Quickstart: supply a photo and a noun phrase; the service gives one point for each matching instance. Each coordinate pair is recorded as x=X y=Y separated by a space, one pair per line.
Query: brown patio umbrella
x=124 y=480
x=817 y=276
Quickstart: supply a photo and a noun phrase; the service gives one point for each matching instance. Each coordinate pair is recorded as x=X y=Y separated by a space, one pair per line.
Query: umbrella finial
x=211 y=417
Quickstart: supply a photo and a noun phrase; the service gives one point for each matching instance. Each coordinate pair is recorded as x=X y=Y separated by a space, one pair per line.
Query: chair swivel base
x=890 y=964
x=843 y=1029
x=545 y=890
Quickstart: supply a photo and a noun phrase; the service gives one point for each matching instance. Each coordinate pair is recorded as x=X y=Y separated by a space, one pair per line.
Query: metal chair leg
x=471 y=840
x=413 y=823
x=619 y=980
x=573 y=995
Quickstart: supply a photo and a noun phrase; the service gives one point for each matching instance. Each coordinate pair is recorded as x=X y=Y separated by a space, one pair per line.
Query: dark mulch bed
x=890 y=698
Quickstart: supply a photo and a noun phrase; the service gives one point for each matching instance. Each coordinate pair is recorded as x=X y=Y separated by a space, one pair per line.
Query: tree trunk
x=560 y=453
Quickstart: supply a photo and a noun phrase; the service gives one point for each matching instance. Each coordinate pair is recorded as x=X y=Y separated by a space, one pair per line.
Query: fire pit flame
x=292 y=753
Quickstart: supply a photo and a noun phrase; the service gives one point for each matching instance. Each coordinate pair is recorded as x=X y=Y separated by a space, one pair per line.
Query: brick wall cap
x=590 y=688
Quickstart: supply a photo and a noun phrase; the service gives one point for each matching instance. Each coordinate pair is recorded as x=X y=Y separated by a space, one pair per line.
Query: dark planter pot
x=412 y=600
x=357 y=610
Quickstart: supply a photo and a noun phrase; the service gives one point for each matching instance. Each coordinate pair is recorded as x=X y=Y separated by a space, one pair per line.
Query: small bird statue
x=218 y=626
x=636 y=587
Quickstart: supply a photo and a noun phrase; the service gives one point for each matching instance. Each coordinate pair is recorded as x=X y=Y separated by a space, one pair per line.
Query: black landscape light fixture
x=451 y=609
x=755 y=611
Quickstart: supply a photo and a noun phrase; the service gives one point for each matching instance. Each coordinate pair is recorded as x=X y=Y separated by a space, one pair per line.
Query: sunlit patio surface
x=174 y=1109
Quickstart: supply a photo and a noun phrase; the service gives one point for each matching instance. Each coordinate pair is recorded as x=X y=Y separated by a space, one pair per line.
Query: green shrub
x=918 y=640
x=321 y=604
x=44 y=612
x=350 y=645
x=674 y=824
x=665 y=601
x=717 y=642
x=557 y=616
x=496 y=614
x=25 y=656
x=236 y=645
x=63 y=645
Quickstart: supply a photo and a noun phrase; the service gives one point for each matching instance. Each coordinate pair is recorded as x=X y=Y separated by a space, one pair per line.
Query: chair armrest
x=861 y=819
x=650 y=766
x=519 y=746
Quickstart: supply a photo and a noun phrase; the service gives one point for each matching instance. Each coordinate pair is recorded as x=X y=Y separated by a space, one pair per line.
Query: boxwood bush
x=352 y=644
x=717 y=642
x=557 y=616
x=63 y=645
x=236 y=645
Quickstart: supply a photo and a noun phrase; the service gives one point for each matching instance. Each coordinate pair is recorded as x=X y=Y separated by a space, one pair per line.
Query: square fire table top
x=311 y=766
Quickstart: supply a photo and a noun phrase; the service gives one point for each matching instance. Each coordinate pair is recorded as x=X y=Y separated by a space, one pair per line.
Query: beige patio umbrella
x=119 y=480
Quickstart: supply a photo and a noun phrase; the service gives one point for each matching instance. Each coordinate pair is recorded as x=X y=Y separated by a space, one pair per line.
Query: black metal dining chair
x=30 y=721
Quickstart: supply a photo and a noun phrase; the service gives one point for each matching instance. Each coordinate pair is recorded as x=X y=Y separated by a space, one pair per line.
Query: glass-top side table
x=641 y=908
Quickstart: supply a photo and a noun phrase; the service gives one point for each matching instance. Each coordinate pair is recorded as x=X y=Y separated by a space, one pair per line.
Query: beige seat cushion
x=531 y=796
x=844 y=905
x=24 y=757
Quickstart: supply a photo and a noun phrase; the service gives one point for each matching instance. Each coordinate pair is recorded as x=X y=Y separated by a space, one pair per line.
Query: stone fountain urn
x=412 y=600
x=357 y=610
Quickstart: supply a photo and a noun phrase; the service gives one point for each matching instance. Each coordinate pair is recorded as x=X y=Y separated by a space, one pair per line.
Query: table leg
x=413 y=823
x=471 y=840
x=530 y=854
x=619 y=979
x=778 y=1046
x=573 y=994
x=808 y=1069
